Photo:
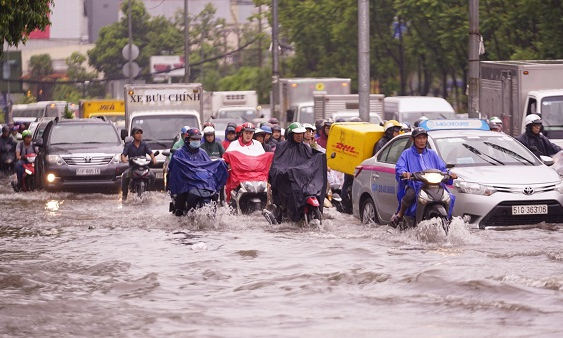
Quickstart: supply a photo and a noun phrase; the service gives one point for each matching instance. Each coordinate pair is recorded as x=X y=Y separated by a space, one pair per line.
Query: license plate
x=529 y=209
x=87 y=171
x=159 y=175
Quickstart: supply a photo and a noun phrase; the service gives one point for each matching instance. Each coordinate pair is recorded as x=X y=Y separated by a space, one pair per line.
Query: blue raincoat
x=195 y=170
x=413 y=161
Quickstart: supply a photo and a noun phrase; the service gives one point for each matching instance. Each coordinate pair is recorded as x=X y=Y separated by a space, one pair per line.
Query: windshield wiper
x=157 y=142
x=509 y=152
x=480 y=154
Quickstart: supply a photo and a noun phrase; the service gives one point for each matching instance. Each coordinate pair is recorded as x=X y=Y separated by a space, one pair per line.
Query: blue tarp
x=188 y=171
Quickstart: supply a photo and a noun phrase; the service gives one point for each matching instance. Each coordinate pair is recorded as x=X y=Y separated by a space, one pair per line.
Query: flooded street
x=88 y=265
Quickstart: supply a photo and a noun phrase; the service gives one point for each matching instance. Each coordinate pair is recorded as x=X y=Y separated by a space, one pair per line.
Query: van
x=411 y=108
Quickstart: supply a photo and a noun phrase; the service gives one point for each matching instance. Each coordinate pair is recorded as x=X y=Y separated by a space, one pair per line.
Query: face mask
x=195 y=144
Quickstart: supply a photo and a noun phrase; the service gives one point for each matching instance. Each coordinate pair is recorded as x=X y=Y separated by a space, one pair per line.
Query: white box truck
x=412 y=108
x=161 y=110
x=296 y=96
x=346 y=106
x=241 y=104
x=511 y=90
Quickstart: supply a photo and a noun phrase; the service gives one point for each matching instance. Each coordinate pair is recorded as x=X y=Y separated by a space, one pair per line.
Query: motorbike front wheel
x=140 y=187
x=29 y=183
x=313 y=214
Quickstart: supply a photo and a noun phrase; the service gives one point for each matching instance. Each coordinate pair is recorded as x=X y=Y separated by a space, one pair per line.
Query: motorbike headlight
x=55 y=159
x=474 y=188
x=559 y=187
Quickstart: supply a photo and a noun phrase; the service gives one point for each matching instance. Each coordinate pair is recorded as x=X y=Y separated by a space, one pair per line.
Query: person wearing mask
x=268 y=139
x=392 y=129
x=180 y=143
x=260 y=135
x=213 y=148
x=323 y=138
x=414 y=159
x=230 y=135
x=245 y=143
x=534 y=140
x=135 y=148
x=24 y=147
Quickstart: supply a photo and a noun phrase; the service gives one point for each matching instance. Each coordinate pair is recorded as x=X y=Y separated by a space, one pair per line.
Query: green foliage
x=68 y=114
x=40 y=65
x=19 y=18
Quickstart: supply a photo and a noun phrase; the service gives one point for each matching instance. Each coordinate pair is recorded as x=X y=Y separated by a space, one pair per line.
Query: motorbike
x=433 y=201
x=311 y=214
x=8 y=160
x=28 y=177
x=196 y=198
x=140 y=173
x=250 y=196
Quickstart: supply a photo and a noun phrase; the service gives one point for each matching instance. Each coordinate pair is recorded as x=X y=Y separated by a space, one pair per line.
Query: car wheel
x=367 y=211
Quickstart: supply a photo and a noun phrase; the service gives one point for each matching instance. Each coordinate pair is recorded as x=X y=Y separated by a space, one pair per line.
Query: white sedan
x=500 y=182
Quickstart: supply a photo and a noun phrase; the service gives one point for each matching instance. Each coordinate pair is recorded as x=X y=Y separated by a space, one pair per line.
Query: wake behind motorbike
x=140 y=174
x=432 y=201
x=28 y=176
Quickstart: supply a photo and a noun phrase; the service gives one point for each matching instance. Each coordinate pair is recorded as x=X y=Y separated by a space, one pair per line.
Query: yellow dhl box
x=350 y=143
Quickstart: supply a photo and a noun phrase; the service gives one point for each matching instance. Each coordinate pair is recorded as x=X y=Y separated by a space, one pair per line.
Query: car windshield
x=83 y=133
x=163 y=127
x=245 y=114
x=413 y=117
x=490 y=150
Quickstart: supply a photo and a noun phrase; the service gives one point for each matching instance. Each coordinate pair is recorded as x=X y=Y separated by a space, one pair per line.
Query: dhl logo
x=346 y=148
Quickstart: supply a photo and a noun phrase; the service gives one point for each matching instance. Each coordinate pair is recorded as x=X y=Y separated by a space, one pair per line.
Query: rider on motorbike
x=212 y=147
x=191 y=168
x=23 y=148
x=297 y=171
x=245 y=143
x=414 y=159
x=7 y=146
x=392 y=128
x=135 y=148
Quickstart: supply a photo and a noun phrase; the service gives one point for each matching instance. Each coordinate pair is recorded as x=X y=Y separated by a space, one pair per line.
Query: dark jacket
x=213 y=149
x=541 y=143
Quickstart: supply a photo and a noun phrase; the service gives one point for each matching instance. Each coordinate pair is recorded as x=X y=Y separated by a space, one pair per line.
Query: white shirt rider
x=246 y=145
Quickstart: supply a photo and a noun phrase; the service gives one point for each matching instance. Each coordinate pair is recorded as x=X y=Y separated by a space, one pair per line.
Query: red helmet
x=238 y=129
x=247 y=126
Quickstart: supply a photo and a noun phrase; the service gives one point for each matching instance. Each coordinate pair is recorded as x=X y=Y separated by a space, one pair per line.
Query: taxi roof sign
x=461 y=124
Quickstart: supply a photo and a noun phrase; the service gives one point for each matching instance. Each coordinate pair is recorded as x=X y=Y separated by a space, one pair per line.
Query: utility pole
x=275 y=104
x=186 y=44
x=130 y=44
x=474 y=39
x=363 y=59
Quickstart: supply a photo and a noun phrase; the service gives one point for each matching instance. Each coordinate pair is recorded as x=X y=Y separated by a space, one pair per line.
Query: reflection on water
x=91 y=265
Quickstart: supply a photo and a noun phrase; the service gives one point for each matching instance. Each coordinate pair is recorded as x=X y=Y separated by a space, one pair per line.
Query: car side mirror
x=547 y=160
x=128 y=139
x=290 y=114
x=166 y=152
x=39 y=142
x=123 y=134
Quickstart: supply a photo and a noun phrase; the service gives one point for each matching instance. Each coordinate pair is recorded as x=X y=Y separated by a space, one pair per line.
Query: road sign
x=134 y=67
x=134 y=52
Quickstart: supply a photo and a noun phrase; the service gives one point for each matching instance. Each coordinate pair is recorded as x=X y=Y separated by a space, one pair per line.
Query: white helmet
x=532 y=119
x=208 y=130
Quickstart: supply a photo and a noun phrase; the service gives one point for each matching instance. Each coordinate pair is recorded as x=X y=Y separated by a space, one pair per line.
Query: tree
x=19 y=18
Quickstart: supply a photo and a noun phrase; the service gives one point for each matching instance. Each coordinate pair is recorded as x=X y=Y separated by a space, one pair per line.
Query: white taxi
x=500 y=182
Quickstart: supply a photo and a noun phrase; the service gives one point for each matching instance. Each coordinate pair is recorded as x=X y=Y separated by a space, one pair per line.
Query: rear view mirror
x=290 y=115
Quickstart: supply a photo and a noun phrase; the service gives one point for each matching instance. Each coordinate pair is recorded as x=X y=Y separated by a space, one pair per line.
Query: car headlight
x=116 y=159
x=473 y=188
x=55 y=159
x=559 y=187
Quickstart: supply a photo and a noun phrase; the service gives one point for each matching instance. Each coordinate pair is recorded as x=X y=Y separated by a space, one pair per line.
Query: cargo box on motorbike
x=350 y=143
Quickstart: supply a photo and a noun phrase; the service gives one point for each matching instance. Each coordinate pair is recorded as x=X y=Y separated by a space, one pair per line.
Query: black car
x=79 y=153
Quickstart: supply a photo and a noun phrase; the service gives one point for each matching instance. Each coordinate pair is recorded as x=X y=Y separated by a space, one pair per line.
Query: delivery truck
x=346 y=106
x=161 y=110
x=241 y=105
x=511 y=90
x=296 y=96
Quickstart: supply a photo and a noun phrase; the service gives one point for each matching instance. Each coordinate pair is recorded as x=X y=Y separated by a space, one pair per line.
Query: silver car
x=500 y=182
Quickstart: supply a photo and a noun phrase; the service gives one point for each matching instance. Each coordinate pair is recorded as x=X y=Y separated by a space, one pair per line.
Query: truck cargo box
x=350 y=143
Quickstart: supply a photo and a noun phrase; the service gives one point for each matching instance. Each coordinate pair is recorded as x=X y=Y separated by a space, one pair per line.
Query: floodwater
x=88 y=265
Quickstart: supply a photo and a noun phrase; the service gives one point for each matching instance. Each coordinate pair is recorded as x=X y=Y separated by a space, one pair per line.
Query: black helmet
x=134 y=130
x=194 y=133
x=418 y=131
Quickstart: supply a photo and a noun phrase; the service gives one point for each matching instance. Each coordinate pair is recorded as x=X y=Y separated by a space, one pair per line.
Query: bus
x=31 y=112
